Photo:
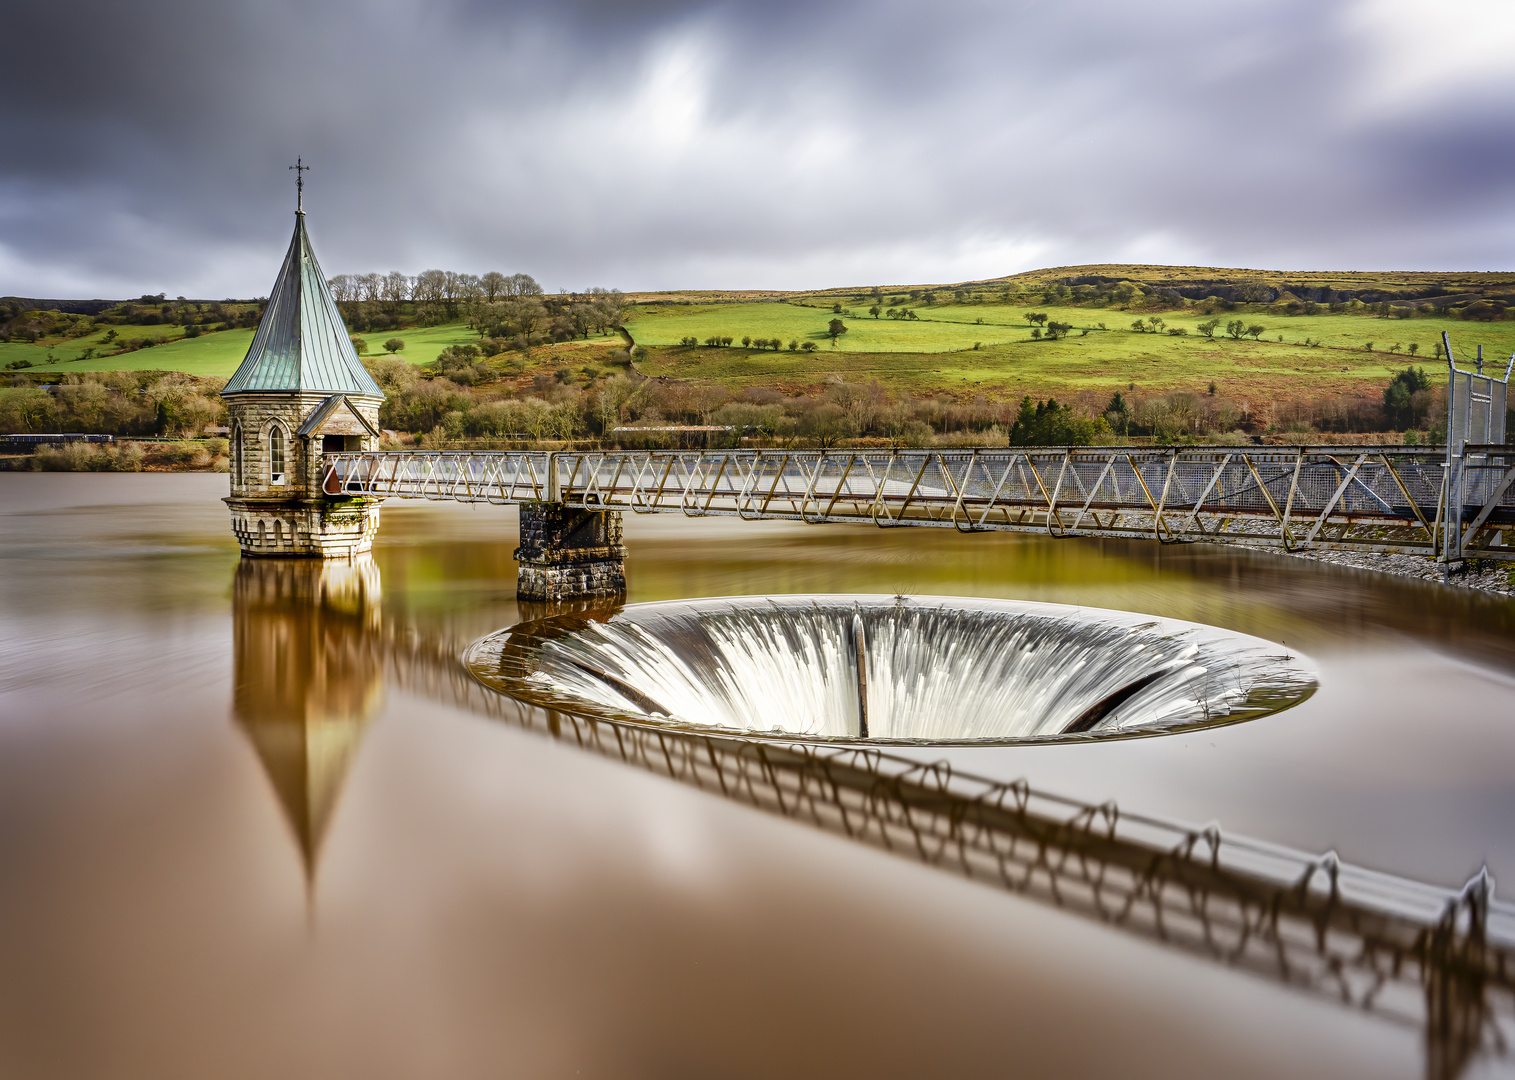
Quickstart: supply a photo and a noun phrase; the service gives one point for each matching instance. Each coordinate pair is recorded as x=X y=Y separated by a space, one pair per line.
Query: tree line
x=507 y=311
x=454 y=402
x=1144 y=296
x=121 y=403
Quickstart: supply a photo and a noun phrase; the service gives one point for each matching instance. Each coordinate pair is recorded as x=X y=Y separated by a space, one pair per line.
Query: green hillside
x=1313 y=334
x=941 y=340
x=214 y=354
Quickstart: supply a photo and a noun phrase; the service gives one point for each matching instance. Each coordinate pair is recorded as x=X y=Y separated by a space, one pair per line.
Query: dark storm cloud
x=678 y=144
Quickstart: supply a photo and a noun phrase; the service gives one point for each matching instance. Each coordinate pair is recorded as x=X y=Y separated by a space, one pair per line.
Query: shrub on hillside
x=1050 y=424
x=463 y=364
x=1407 y=399
x=88 y=457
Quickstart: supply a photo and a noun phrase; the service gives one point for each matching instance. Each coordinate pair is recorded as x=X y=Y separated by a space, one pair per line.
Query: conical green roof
x=302 y=343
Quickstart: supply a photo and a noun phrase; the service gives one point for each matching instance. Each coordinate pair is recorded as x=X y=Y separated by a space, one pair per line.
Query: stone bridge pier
x=569 y=554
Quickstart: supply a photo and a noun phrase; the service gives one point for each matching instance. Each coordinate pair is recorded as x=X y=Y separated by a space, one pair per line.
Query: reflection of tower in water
x=308 y=679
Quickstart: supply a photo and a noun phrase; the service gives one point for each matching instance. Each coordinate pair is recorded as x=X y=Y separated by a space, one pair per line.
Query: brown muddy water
x=240 y=839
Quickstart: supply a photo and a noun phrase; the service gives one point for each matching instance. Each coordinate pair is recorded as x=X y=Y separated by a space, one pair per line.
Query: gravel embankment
x=1490 y=577
x=1484 y=575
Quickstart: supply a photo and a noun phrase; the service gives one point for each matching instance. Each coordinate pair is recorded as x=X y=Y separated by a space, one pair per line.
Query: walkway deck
x=1366 y=498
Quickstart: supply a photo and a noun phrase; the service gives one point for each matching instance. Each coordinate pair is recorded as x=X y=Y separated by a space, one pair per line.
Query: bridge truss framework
x=1369 y=498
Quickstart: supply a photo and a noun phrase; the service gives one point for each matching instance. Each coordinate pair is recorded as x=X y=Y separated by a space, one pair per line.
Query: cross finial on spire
x=300 y=169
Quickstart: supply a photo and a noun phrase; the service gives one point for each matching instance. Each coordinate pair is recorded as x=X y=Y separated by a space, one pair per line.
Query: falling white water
x=938 y=669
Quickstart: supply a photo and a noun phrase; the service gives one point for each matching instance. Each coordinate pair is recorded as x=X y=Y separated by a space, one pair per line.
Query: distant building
x=700 y=429
x=33 y=440
x=684 y=435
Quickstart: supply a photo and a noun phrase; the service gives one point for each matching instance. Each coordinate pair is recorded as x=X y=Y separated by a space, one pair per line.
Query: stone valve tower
x=300 y=393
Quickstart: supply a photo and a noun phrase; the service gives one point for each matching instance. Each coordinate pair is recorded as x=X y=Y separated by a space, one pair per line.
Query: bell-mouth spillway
x=892 y=669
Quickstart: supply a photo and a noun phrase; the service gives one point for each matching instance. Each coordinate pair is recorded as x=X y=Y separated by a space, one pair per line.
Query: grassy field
x=933 y=354
x=945 y=328
x=1055 y=368
x=793 y=322
x=216 y=353
x=209 y=354
x=422 y=343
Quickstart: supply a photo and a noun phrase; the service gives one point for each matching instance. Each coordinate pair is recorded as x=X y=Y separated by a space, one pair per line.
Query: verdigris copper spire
x=302 y=343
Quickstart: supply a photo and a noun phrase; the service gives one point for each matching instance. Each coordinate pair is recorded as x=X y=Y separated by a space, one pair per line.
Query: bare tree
x=523 y=314
x=610 y=307
x=522 y=285
x=396 y=289
x=430 y=286
x=582 y=319
x=610 y=398
x=494 y=285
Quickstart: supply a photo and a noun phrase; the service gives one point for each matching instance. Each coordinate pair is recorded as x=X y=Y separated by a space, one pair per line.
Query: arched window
x=276 y=455
x=236 y=453
x=279 y=532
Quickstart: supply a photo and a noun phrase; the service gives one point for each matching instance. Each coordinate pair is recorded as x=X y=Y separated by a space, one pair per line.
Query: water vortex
x=892 y=669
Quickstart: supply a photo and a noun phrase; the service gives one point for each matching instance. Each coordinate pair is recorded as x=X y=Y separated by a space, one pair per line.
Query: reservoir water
x=247 y=830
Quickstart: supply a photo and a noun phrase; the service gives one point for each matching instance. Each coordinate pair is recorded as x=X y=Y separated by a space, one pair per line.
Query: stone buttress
x=568 y=553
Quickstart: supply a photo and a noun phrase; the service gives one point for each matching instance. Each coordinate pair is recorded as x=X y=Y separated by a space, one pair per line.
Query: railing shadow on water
x=1441 y=961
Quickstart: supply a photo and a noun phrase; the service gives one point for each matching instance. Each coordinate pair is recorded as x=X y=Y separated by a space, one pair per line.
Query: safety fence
x=1386 y=498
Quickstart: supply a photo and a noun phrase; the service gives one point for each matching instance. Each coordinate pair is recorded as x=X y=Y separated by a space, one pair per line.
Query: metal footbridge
x=1417 y=500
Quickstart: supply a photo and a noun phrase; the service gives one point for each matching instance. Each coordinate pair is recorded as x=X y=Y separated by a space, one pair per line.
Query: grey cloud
x=675 y=144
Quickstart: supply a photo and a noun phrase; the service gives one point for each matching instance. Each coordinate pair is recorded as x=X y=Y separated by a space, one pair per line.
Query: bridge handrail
x=1378 y=498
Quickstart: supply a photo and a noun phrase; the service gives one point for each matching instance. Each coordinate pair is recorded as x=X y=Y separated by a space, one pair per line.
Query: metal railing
x=1378 y=498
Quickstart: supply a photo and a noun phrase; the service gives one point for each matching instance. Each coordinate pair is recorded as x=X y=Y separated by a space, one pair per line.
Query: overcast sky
x=663 y=144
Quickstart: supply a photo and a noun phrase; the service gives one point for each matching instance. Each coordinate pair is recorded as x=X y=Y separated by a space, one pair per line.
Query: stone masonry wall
x=295 y=529
x=568 y=554
x=302 y=462
x=294 y=518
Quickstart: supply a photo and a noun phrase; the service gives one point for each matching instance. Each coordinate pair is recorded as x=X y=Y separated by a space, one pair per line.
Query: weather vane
x=300 y=169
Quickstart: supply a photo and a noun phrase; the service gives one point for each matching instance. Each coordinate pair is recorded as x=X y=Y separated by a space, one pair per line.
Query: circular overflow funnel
x=891 y=669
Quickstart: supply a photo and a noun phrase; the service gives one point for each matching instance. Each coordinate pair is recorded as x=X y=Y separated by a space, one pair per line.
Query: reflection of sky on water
x=487 y=899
